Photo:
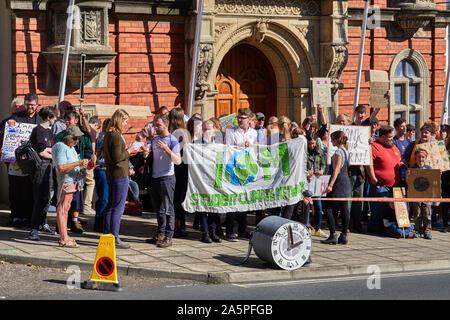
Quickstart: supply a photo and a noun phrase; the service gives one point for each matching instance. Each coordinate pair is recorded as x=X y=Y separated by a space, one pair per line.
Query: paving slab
x=189 y=258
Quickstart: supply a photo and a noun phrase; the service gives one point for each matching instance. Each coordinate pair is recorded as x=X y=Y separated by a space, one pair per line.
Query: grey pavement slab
x=189 y=258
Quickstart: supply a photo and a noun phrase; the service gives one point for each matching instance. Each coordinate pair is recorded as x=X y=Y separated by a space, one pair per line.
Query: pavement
x=191 y=259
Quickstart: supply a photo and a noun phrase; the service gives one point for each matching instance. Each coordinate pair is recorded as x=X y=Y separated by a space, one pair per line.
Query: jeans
x=101 y=187
x=162 y=194
x=118 y=190
x=208 y=221
x=375 y=224
x=317 y=214
x=135 y=187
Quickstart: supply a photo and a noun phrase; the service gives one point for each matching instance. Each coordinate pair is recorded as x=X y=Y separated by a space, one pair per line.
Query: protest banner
x=228 y=121
x=438 y=157
x=379 y=89
x=318 y=185
x=14 y=136
x=359 y=147
x=424 y=183
x=401 y=209
x=321 y=89
x=231 y=179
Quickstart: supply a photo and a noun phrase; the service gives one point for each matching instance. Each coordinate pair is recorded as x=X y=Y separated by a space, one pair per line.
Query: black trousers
x=208 y=221
x=333 y=209
x=42 y=187
x=241 y=217
x=20 y=197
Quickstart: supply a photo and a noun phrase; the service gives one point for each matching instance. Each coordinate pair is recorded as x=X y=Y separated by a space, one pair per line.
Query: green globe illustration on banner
x=241 y=169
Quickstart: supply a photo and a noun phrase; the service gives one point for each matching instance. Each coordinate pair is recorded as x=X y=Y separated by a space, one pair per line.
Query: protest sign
x=321 y=92
x=228 y=121
x=401 y=209
x=231 y=178
x=318 y=185
x=438 y=157
x=359 y=147
x=14 y=136
x=379 y=89
x=424 y=183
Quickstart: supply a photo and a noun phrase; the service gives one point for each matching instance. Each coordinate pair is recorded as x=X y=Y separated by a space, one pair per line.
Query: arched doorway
x=245 y=78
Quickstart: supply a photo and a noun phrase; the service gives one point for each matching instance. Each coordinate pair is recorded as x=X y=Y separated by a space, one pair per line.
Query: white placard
x=14 y=136
x=358 y=144
x=321 y=92
x=318 y=185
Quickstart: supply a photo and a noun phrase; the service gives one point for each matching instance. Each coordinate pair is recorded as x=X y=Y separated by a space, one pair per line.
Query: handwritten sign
x=318 y=185
x=424 y=183
x=228 y=121
x=401 y=209
x=438 y=157
x=358 y=144
x=14 y=136
x=321 y=89
x=379 y=89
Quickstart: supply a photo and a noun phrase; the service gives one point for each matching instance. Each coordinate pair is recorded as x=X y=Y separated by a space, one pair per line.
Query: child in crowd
x=421 y=210
x=315 y=166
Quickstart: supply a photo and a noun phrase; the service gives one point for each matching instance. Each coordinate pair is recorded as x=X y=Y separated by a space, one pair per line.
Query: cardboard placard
x=359 y=147
x=424 y=183
x=438 y=157
x=318 y=185
x=379 y=89
x=14 y=136
x=228 y=121
x=401 y=208
x=321 y=89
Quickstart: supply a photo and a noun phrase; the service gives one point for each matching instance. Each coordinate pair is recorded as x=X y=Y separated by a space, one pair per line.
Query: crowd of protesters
x=83 y=156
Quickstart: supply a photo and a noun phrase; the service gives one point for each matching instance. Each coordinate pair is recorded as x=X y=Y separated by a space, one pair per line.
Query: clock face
x=291 y=246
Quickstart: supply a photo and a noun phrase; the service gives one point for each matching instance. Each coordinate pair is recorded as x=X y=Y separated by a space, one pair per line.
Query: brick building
x=253 y=53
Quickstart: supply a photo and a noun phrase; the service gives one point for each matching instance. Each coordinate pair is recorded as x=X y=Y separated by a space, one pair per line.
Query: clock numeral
x=275 y=252
x=280 y=261
x=296 y=263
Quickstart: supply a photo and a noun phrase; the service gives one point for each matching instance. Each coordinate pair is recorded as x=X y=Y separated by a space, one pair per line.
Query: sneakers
x=46 y=228
x=427 y=236
x=156 y=239
x=167 y=242
x=33 y=235
x=88 y=211
x=231 y=238
x=320 y=233
x=76 y=227
x=122 y=245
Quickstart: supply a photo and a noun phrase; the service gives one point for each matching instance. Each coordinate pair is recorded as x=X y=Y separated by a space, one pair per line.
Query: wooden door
x=245 y=79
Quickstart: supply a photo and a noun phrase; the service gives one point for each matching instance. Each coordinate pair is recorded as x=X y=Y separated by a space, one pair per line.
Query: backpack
x=27 y=158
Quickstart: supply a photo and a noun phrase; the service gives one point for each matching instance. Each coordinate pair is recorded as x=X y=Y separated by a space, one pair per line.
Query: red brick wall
x=379 y=52
x=148 y=70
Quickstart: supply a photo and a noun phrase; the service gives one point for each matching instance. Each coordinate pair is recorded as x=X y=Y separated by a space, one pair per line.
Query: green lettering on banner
x=224 y=200
x=219 y=170
x=268 y=160
x=286 y=193
x=233 y=198
x=279 y=192
x=204 y=197
x=272 y=195
x=240 y=198
x=194 y=198
x=216 y=200
x=255 y=195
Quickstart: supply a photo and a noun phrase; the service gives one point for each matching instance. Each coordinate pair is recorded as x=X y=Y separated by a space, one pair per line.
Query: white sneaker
x=89 y=211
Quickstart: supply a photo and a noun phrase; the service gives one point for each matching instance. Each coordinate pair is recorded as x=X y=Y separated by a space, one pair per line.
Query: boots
x=332 y=239
x=343 y=238
x=206 y=238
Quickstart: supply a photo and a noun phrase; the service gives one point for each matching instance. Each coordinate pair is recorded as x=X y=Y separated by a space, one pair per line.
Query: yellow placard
x=401 y=209
x=105 y=268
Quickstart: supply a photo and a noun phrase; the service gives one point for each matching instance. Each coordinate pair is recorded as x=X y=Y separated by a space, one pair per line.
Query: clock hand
x=290 y=237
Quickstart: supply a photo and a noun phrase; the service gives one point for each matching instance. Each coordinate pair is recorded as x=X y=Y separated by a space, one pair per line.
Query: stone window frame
x=421 y=79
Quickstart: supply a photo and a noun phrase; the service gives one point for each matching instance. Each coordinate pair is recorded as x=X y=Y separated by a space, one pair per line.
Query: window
x=409 y=87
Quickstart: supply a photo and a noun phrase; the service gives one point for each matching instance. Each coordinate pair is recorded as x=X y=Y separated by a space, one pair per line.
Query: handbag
x=133 y=208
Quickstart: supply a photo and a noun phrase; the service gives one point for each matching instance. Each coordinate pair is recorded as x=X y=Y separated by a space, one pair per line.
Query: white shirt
x=237 y=136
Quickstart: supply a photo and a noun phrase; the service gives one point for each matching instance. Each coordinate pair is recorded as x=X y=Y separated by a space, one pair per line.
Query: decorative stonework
x=221 y=27
x=266 y=7
x=307 y=31
x=91 y=27
x=205 y=61
x=260 y=30
x=338 y=56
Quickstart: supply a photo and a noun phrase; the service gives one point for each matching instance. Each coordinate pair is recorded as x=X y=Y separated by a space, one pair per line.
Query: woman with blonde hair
x=116 y=156
x=284 y=124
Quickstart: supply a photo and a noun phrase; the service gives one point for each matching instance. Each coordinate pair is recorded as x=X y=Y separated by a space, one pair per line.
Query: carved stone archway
x=304 y=39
